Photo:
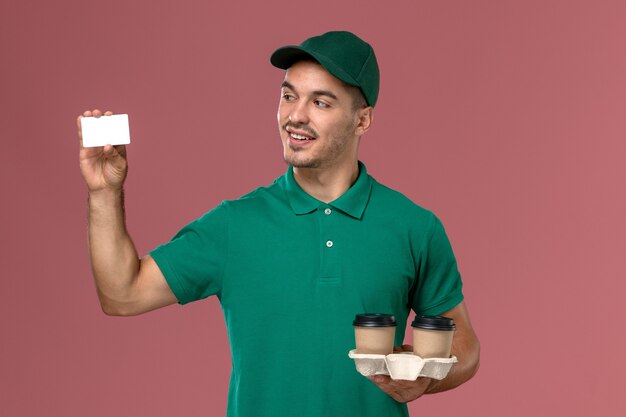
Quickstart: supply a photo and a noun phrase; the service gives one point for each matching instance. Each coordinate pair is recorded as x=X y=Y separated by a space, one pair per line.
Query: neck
x=327 y=184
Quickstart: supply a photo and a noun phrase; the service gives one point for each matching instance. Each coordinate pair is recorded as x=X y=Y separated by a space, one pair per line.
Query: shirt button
x=328 y=211
x=329 y=243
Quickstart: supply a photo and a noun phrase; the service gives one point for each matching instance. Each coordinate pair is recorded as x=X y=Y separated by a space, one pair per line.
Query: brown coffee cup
x=432 y=336
x=374 y=333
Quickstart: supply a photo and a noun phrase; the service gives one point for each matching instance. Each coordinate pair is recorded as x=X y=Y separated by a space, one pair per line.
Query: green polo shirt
x=291 y=272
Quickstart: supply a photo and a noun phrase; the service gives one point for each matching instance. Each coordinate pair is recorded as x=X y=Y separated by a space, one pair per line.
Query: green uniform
x=291 y=272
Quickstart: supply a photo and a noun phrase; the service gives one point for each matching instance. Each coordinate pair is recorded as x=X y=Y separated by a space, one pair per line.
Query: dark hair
x=358 y=100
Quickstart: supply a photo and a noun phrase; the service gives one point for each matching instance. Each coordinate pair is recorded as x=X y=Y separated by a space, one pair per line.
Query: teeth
x=300 y=137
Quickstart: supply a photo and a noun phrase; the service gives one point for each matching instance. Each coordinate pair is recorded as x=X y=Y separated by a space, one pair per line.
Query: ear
x=365 y=117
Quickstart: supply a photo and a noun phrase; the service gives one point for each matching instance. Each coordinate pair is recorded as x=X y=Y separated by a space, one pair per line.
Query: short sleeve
x=193 y=262
x=438 y=286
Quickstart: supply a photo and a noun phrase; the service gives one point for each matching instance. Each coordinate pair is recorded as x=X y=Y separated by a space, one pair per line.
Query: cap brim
x=286 y=56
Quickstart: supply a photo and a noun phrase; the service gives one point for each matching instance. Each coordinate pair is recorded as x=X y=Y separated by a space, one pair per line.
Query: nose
x=298 y=112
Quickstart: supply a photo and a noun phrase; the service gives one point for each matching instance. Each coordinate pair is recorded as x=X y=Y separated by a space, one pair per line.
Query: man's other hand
x=400 y=390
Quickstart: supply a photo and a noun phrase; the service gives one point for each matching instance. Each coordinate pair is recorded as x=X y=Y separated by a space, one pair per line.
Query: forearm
x=466 y=348
x=114 y=259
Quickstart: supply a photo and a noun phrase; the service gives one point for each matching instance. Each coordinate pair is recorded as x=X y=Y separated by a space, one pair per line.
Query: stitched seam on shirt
x=457 y=294
x=451 y=295
x=425 y=241
x=227 y=252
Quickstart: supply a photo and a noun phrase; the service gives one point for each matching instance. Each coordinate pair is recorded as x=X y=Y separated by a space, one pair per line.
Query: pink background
x=505 y=118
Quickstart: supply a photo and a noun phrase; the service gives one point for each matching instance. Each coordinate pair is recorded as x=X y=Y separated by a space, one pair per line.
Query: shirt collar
x=352 y=202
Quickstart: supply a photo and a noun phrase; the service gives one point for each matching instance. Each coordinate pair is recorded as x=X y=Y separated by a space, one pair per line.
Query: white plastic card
x=105 y=130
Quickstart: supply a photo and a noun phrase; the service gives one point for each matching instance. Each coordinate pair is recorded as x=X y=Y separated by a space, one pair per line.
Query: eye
x=321 y=104
x=288 y=97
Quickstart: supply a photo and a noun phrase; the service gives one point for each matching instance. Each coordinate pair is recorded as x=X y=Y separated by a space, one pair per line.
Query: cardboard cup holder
x=404 y=365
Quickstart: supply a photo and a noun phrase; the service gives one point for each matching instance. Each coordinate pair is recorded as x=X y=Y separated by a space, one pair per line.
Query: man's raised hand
x=103 y=167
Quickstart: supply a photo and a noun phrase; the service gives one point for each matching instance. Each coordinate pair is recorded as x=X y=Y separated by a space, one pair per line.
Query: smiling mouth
x=299 y=134
x=300 y=137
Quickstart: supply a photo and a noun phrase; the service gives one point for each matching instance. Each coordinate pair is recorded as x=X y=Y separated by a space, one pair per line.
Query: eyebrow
x=287 y=84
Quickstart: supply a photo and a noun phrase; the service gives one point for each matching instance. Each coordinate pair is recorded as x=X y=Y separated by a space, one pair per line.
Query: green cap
x=343 y=54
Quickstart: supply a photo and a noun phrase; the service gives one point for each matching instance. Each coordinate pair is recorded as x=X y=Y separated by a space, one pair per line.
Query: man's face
x=316 y=119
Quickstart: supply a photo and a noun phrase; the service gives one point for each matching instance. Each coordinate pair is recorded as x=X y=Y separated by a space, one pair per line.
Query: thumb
x=113 y=153
x=116 y=157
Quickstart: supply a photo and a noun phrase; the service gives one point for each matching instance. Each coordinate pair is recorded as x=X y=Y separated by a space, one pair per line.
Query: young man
x=293 y=262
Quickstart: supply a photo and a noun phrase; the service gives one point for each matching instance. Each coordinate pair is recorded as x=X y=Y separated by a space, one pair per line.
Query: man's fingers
x=380 y=379
x=111 y=152
x=115 y=151
x=403 y=348
x=121 y=150
x=399 y=389
x=96 y=113
x=116 y=155
x=387 y=385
